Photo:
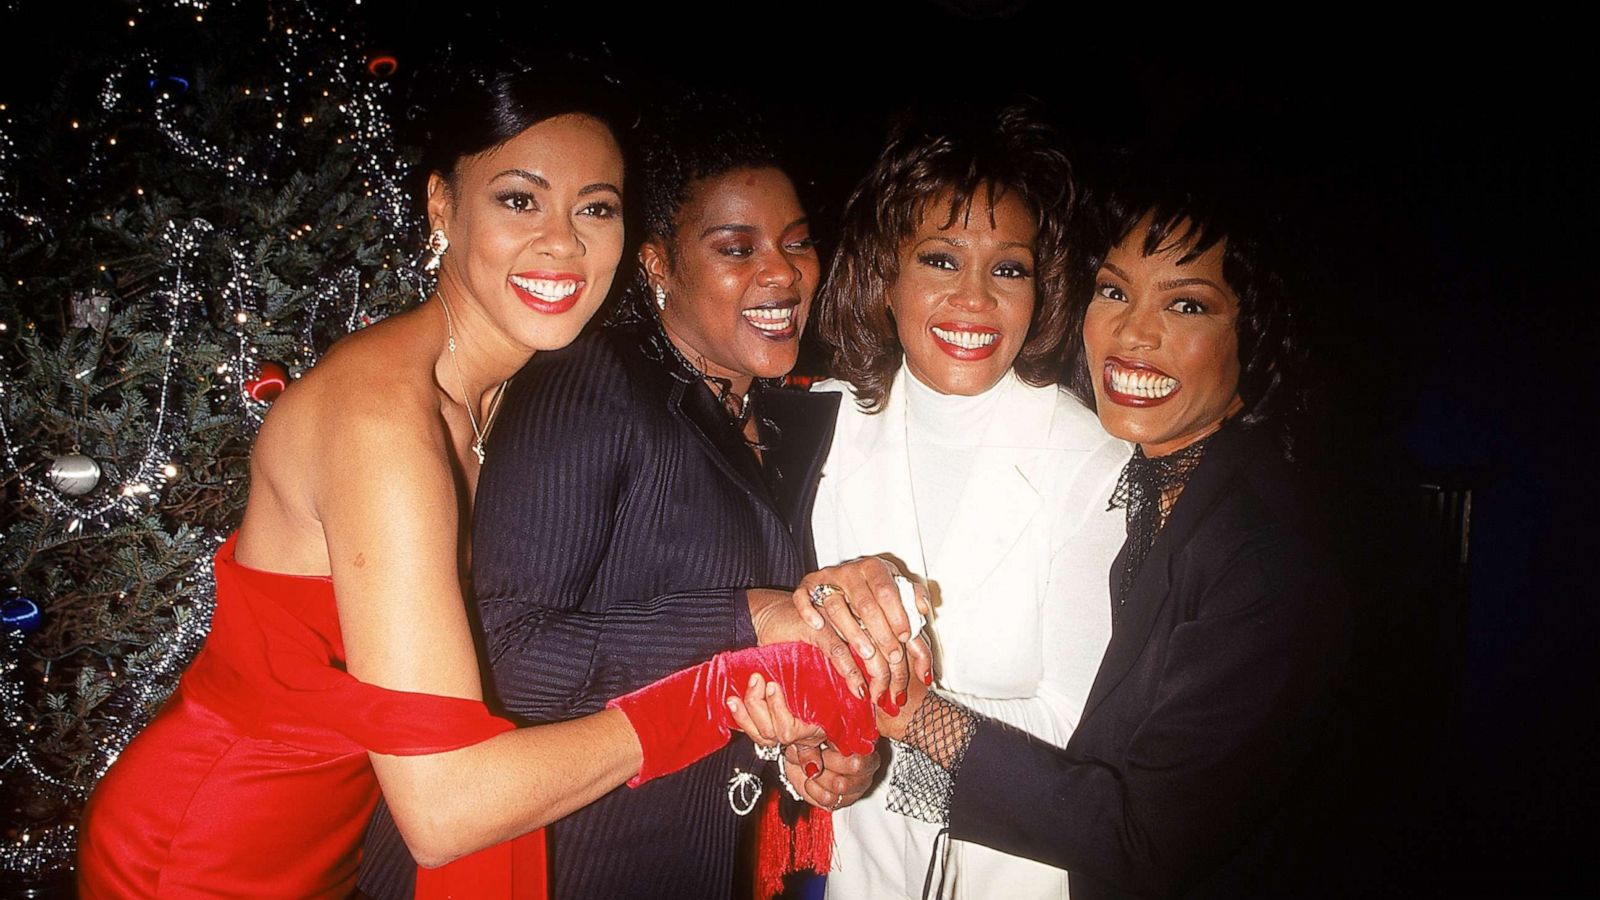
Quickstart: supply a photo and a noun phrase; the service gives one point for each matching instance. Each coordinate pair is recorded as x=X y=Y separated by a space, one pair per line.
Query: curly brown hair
x=967 y=156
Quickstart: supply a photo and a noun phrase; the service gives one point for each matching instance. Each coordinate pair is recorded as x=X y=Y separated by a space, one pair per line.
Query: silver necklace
x=479 y=434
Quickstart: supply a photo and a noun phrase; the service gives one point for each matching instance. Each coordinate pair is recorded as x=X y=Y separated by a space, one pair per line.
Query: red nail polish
x=927 y=678
x=884 y=703
x=813 y=770
x=900 y=699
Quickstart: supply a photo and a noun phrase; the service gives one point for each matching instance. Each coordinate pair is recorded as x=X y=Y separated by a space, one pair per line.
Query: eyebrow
x=543 y=183
x=749 y=229
x=1167 y=285
x=535 y=177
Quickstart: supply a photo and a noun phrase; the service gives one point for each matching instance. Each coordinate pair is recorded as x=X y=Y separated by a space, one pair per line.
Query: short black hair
x=1197 y=211
x=688 y=138
x=694 y=137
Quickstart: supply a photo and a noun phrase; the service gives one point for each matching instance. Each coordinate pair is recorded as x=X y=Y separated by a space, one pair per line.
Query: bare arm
x=392 y=541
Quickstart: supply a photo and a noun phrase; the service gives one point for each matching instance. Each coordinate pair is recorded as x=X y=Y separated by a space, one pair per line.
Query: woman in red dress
x=340 y=657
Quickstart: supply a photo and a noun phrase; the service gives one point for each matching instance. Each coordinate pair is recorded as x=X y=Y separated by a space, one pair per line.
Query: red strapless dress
x=253 y=780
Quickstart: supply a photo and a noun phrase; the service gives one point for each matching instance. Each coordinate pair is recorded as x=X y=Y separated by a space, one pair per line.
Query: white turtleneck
x=942 y=435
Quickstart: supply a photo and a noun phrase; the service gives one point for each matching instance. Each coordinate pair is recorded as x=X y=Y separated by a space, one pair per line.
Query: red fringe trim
x=781 y=850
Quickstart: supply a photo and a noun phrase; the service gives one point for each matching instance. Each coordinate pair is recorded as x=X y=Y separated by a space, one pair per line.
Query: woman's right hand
x=865 y=609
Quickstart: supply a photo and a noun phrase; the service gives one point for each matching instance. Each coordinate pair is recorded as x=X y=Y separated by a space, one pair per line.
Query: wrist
x=767 y=607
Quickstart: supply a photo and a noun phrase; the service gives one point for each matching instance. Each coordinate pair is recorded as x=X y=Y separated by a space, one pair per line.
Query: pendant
x=744 y=789
x=477 y=447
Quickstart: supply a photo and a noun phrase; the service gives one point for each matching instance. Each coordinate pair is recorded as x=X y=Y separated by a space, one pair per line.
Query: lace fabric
x=738 y=408
x=928 y=759
x=1148 y=489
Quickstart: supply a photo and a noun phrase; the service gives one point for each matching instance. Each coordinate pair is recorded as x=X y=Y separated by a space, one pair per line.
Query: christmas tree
x=185 y=225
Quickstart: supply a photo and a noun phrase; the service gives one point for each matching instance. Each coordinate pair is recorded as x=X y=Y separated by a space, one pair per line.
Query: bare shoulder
x=380 y=377
x=368 y=408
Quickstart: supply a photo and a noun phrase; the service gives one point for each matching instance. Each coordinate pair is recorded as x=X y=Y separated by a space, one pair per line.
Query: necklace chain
x=479 y=434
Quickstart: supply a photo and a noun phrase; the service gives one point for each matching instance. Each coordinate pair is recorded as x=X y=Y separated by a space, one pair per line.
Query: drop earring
x=661 y=297
x=438 y=243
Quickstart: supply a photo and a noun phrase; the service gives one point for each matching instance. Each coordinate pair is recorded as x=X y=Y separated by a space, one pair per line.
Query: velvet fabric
x=684 y=717
x=253 y=780
x=619 y=520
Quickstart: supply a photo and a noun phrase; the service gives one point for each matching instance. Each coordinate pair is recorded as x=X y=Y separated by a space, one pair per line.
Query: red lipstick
x=551 y=293
x=973 y=333
x=1132 y=382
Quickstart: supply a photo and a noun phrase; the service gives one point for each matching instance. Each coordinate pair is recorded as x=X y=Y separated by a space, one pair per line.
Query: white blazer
x=1022 y=607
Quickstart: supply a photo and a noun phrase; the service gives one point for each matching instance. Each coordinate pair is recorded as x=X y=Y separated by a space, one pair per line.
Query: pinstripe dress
x=619 y=520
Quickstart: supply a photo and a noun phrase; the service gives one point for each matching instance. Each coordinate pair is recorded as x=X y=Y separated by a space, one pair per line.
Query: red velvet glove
x=684 y=717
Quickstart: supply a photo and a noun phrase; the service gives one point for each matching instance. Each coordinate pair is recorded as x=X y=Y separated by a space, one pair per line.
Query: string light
x=318 y=73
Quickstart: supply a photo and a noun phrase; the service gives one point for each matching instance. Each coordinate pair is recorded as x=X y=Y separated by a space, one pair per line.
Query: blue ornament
x=173 y=84
x=21 y=614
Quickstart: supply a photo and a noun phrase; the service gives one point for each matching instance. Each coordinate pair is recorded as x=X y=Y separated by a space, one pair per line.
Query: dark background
x=1441 y=173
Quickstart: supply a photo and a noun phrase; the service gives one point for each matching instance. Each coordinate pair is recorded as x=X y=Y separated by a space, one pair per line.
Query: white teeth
x=967 y=340
x=547 y=290
x=1141 y=383
x=770 y=318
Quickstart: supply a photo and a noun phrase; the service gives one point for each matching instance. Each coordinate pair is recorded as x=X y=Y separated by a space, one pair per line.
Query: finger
x=801 y=598
x=874 y=599
x=921 y=657
x=844 y=661
x=809 y=759
x=841 y=615
x=838 y=609
x=880 y=574
x=924 y=599
x=789 y=728
x=759 y=709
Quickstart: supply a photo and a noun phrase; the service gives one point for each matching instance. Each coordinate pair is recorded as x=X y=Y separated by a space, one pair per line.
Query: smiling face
x=535 y=229
x=965 y=294
x=1162 y=346
x=739 y=275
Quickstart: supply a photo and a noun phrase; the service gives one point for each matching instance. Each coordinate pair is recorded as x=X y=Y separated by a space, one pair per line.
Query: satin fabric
x=254 y=780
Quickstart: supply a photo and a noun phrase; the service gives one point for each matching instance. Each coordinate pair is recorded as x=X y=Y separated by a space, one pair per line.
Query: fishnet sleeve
x=923 y=776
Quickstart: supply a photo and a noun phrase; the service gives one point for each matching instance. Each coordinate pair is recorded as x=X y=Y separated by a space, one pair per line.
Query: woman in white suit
x=962 y=461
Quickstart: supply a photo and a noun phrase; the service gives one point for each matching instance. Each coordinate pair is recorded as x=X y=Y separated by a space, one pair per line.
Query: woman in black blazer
x=1229 y=628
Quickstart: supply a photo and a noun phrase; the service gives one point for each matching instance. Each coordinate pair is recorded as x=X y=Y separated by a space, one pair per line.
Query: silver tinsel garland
x=313 y=57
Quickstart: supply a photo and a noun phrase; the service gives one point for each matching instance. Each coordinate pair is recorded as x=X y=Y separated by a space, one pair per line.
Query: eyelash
x=1186 y=306
x=947 y=262
x=522 y=202
x=517 y=201
x=601 y=209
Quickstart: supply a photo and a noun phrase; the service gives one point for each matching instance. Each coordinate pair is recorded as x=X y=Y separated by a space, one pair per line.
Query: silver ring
x=822 y=592
x=837 y=799
x=769 y=753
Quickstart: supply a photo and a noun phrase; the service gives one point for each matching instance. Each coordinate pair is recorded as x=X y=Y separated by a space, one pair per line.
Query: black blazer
x=1221 y=666
x=620 y=519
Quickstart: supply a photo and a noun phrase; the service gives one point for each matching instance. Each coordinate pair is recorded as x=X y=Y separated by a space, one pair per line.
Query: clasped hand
x=860 y=623
x=824 y=776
